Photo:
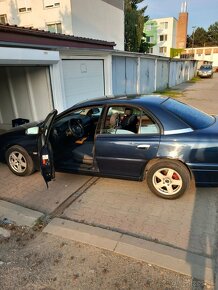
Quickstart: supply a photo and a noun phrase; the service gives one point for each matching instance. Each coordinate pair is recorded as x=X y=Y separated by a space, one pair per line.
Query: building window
x=24 y=5
x=151 y=50
x=54 y=27
x=148 y=27
x=51 y=3
x=3 y=19
x=163 y=37
x=163 y=49
x=207 y=51
x=164 y=25
x=150 y=39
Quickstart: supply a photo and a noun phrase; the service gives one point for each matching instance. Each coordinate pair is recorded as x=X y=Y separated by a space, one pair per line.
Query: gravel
x=30 y=259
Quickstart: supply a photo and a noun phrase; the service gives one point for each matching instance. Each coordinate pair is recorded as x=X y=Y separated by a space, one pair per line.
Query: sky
x=202 y=13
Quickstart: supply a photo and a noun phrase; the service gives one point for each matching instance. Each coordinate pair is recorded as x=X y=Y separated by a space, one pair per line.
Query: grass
x=171 y=93
x=194 y=80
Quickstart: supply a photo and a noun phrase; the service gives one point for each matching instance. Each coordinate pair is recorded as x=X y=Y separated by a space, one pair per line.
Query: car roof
x=153 y=104
x=122 y=99
x=149 y=102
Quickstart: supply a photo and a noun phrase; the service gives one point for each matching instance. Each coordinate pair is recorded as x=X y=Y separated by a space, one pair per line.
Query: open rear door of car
x=45 y=149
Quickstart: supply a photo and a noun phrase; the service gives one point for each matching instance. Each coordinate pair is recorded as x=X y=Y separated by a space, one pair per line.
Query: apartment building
x=161 y=34
x=202 y=55
x=97 y=19
x=167 y=35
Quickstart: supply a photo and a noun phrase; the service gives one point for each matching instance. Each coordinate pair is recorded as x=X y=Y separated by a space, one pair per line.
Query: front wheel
x=19 y=161
x=168 y=179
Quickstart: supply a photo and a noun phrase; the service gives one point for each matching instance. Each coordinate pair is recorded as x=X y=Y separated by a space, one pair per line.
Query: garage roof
x=17 y=36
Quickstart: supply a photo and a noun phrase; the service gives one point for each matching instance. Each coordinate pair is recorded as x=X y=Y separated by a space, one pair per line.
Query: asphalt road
x=202 y=94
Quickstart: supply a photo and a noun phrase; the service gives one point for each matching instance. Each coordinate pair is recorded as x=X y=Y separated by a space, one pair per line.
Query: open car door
x=45 y=150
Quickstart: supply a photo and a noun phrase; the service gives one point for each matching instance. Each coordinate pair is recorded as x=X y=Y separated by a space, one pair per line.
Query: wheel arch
x=30 y=166
x=155 y=160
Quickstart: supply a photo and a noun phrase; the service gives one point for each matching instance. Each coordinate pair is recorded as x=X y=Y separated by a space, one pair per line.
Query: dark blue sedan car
x=130 y=137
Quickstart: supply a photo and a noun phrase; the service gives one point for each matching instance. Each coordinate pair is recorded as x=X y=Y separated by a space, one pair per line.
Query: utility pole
x=193 y=39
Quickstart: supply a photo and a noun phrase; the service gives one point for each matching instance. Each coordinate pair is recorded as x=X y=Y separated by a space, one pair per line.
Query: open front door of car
x=45 y=150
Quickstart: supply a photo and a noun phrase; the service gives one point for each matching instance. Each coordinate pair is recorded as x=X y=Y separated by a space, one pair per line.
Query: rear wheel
x=168 y=179
x=19 y=161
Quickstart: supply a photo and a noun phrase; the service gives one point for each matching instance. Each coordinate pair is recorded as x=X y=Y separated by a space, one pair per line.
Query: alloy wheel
x=167 y=181
x=17 y=162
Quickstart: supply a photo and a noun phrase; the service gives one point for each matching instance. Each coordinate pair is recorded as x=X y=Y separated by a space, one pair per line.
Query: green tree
x=134 y=25
x=189 y=41
x=213 y=34
x=199 y=37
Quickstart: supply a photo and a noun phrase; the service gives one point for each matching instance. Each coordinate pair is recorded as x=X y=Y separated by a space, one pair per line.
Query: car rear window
x=193 y=117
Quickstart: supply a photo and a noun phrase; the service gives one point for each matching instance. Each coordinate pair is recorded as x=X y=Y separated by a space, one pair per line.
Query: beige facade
x=202 y=55
x=97 y=19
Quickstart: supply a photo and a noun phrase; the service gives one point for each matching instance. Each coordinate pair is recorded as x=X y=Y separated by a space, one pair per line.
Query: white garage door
x=83 y=79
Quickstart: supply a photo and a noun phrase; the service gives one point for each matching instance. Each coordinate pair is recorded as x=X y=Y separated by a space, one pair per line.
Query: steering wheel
x=75 y=129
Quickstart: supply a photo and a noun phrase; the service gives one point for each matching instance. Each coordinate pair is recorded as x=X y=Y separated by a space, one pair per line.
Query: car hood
x=21 y=128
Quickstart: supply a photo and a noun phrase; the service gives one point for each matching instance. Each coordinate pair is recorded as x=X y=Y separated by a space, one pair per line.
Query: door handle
x=143 y=146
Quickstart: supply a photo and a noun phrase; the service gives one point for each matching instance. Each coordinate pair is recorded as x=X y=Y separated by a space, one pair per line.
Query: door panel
x=122 y=149
x=45 y=150
x=125 y=155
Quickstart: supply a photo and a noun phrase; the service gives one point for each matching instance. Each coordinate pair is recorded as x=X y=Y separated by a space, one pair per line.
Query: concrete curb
x=20 y=215
x=180 y=261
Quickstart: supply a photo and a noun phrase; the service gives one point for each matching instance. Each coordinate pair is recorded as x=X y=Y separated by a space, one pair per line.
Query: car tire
x=19 y=161
x=168 y=179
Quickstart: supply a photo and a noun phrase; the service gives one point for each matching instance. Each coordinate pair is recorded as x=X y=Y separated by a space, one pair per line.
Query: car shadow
x=203 y=237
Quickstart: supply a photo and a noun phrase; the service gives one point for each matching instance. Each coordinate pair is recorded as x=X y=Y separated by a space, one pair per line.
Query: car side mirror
x=32 y=131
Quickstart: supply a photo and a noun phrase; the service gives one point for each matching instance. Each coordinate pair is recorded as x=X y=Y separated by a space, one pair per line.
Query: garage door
x=83 y=79
x=124 y=75
x=25 y=93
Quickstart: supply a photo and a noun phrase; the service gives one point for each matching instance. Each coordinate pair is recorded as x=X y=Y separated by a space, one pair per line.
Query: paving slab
x=31 y=191
x=188 y=223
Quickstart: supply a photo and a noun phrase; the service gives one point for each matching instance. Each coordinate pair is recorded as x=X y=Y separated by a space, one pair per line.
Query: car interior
x=75 y=133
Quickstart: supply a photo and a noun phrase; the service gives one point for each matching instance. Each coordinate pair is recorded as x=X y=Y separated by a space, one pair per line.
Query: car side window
x=128 y=120
x=147 y=125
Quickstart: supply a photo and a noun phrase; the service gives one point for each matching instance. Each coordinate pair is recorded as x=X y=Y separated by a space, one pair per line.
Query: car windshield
x=193 y=117
x=206 y=67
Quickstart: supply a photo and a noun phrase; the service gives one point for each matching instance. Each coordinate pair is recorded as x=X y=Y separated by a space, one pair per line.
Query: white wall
x=96 y=19
x=39 y=16
x=99 y=20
